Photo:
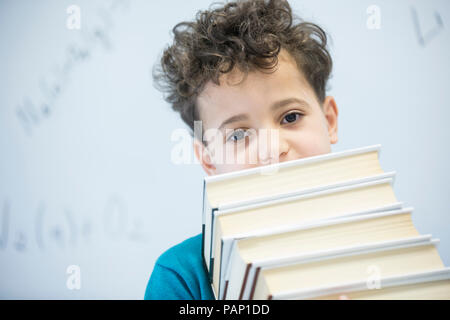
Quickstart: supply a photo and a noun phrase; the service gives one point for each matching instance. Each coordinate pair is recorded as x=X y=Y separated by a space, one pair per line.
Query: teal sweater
x=179 y=274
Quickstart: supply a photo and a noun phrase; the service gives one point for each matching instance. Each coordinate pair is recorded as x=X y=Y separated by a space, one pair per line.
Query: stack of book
x=316 y=228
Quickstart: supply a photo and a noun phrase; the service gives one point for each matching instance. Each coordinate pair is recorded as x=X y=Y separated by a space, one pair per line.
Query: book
x=430 y=285
x=259 y=222
x=244 y=187
x=249 y=254
x=347 y=265
x=331 y=203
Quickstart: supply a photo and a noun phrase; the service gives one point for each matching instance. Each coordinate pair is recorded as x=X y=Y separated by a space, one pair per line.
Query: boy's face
x=269 y=117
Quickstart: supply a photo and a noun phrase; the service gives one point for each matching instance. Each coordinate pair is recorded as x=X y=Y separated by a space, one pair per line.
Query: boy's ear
x=203 y=156
x=330 y=111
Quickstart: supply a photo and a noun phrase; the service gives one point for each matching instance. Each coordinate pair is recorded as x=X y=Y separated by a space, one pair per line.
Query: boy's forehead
x=236 y=81
x=237 y=93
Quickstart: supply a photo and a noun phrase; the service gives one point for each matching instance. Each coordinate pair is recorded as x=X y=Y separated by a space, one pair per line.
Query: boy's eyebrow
x=285 y=102
x=238 y=117
x=274 y=106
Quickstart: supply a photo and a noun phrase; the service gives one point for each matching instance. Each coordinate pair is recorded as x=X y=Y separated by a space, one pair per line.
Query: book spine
x=211 y=251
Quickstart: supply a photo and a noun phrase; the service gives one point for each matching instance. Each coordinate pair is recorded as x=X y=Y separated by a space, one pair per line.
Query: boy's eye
x=237 y=135
x=291 y=117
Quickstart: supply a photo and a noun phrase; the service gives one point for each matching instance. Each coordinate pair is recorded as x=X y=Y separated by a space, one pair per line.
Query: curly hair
x=245 y=34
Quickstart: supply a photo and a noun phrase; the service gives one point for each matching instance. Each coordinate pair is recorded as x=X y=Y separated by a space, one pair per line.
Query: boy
x=239 y=69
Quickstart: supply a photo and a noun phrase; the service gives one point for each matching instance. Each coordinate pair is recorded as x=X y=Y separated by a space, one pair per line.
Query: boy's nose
x=272 y=147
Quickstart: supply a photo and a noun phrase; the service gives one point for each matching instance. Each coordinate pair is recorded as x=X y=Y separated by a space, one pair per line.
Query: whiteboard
x=86 y=177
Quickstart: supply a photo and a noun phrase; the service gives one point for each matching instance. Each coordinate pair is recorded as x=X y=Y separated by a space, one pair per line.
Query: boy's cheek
x=230 y=160
x=310 y=143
